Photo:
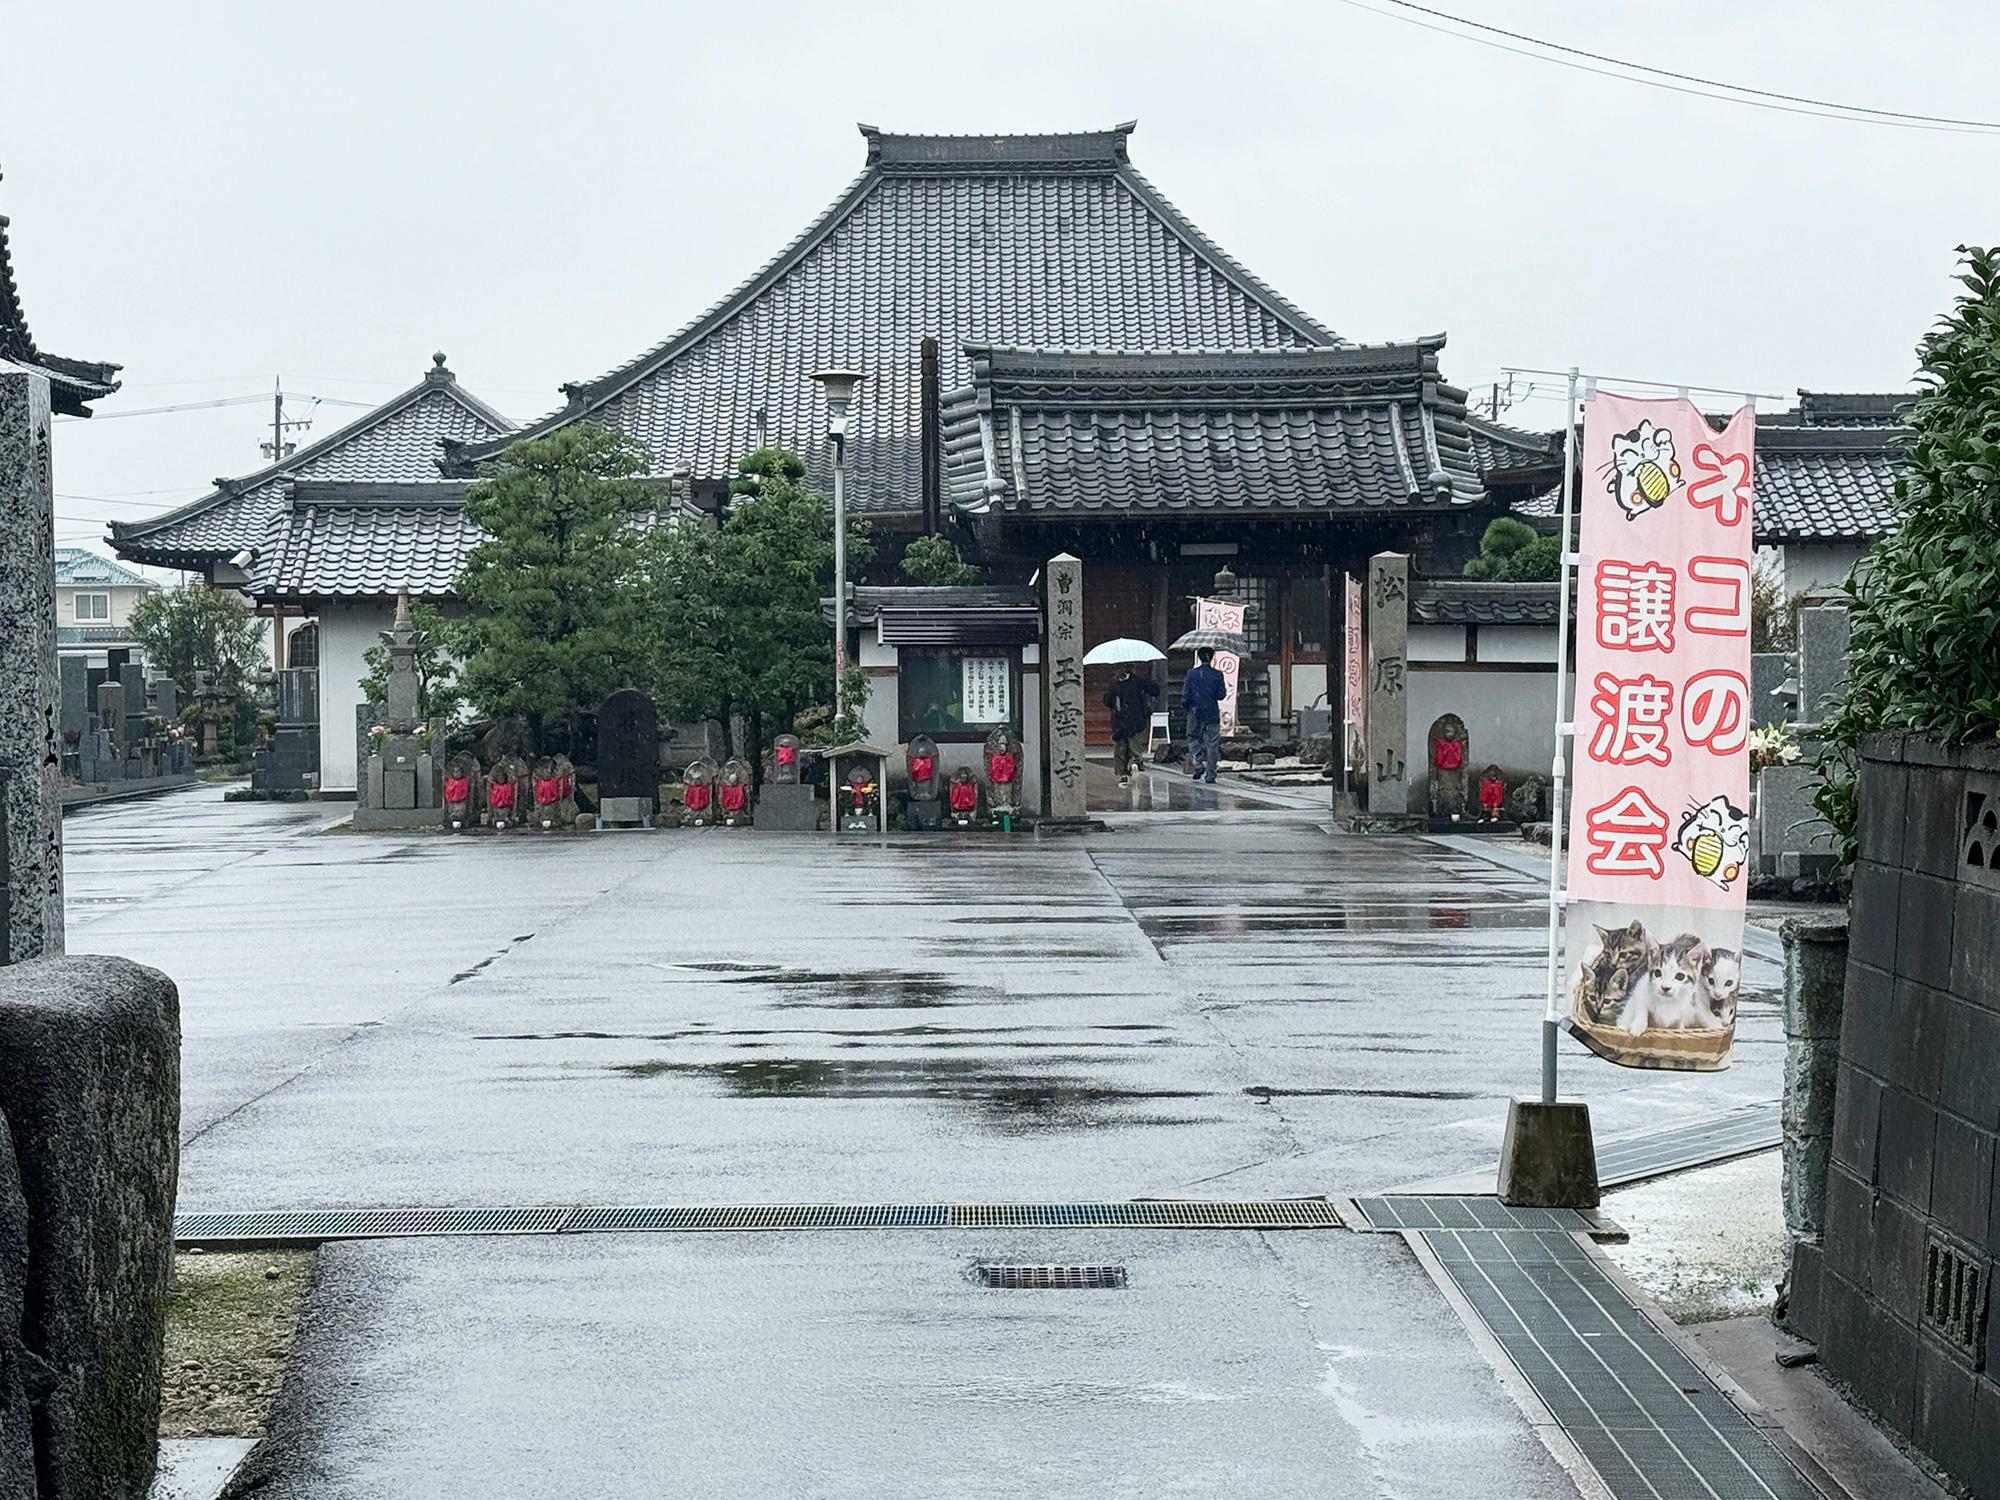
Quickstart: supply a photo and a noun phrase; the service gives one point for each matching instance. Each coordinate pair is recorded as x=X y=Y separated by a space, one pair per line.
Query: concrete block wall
x=1916 y=1131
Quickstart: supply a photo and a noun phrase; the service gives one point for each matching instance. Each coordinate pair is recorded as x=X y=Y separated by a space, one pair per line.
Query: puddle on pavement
x=855 y=989
x=1001 y=1098
x=1263 y=1091
x=1371 y=917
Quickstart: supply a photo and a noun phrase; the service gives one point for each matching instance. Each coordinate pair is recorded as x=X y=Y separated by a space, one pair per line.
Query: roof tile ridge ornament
x=438 y=373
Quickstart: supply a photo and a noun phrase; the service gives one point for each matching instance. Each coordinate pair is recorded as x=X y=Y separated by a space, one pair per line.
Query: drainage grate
x=1638 y=1409
x=1283 y=1213
x=1050 y=1278
x=1737 y=1132
x=1955 y=1298
x=315 y=1225
x=762 y=1216
x=1435 y=1212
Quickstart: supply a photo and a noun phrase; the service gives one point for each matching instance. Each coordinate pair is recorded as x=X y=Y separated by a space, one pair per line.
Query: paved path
x=1210 y=1003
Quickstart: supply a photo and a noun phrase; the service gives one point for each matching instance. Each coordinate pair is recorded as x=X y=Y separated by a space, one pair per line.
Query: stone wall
x=1896 y=1291
x=90 y=1124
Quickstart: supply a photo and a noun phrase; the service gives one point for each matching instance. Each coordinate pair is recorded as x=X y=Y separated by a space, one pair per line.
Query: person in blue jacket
x=1202 y=692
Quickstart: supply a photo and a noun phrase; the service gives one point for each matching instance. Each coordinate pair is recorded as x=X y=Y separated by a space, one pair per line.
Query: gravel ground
x=230 y=1324
x=1707 y=1244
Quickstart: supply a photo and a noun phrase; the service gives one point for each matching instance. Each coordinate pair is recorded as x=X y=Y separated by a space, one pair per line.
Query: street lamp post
x=838 y=387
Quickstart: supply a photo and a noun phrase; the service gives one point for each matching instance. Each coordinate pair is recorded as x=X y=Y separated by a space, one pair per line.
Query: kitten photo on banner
x=1659 y=824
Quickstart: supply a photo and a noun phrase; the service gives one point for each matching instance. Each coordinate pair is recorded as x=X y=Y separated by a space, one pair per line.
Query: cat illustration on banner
x=1643 y=470
x=1714 y=838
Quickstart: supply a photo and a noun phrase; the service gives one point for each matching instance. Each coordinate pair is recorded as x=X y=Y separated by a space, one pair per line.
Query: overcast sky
x=216 y=193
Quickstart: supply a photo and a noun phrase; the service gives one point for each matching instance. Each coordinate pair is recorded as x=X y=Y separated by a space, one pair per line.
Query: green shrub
x=1924 y=602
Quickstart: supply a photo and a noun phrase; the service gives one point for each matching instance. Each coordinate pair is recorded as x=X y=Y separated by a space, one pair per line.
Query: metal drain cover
x=1019 y=1278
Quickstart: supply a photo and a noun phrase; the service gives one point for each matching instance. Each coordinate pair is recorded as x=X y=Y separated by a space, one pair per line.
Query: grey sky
x=213 y=193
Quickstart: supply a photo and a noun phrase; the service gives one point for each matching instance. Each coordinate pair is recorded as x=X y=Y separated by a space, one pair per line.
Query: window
x=957 y=694
x=93 y=606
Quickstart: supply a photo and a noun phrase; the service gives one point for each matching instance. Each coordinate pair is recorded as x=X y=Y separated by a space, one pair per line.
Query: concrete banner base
x=1548 y=1159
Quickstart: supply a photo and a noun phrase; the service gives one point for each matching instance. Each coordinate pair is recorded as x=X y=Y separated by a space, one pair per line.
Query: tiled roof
x=80 y=567
x=398 y=442
x=367 y=545
x=1221 y=432
x=1465 y=601
x=1821 y=484
x=1497 y=447
x=1030 y=240
x=1824 y=473
x=72 y=382
x=79 y=637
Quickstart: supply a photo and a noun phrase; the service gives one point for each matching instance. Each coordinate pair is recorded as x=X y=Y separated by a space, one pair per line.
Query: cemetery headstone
x=166 y=695
x=1768 y=672
x=30 y=732
x=76 y=715
x=1063 y=653
x=786 y=804
x=628 y=758
x=1823 y=637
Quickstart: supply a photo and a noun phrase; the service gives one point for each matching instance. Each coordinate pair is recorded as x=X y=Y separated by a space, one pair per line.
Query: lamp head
x=838 y=387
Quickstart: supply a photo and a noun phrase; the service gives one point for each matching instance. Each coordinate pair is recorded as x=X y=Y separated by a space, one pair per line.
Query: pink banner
x=1213 y=614
x=1354 y=668
x=1659 y=829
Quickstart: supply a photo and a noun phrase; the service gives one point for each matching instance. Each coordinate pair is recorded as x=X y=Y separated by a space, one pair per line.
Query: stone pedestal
x=625 y=812
x=1815 y=996
x=30 y=730
x=1548 y=1159
x=786 y=808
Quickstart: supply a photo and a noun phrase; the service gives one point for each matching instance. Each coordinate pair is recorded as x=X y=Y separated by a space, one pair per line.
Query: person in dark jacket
x=1202 y=692
x=1130 y=699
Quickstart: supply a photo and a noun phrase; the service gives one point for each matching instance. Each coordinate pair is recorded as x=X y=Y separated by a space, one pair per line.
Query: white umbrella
x=1124 y=648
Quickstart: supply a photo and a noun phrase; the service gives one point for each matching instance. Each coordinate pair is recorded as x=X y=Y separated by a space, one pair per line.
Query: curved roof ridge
x=1231 y=268
x=587 y=393
x=438 y=378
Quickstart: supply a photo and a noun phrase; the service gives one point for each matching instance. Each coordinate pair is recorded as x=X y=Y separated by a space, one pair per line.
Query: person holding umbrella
x=1202 y=692
x=1130 y=699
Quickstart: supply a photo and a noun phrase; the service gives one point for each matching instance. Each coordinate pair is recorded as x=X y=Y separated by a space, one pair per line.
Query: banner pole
x=1557 y=823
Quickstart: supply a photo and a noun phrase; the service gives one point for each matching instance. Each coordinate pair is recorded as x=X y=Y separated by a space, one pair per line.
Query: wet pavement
x=1204 y=1001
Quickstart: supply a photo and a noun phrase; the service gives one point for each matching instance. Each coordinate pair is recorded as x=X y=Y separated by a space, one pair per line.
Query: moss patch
x=230 y=1324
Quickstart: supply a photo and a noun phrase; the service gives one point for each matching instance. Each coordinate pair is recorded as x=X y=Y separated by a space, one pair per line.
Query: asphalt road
x=1206 y=1003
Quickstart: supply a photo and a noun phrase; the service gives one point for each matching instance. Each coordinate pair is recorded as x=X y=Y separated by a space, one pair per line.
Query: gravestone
x=288 y=765
x=1768 y=672
x=1793 y=841
x=1388 y=685
x=1063 y=653
x=399 y=785
x=30 y=734
x=166 y=695
x=76 y=701
x=111 y=715
x=786 y=804
x=1823 y=635
x=133 y=676
x=628 y=758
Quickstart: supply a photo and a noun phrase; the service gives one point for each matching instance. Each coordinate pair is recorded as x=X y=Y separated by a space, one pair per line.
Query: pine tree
x=558 y=590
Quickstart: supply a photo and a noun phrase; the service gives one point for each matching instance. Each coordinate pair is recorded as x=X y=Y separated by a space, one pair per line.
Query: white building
x=324 y=540
x=95 y=598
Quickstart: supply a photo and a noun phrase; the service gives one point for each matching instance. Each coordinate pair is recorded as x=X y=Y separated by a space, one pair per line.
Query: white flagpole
x=1558 y=824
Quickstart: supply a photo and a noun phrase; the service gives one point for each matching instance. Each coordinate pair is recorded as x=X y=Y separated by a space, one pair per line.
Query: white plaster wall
x=1817 y=565
x=345 y=631
x=1518 y=643
x=1436 y=643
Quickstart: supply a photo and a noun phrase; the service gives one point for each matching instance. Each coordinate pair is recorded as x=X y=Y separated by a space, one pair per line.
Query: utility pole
x=278 y=449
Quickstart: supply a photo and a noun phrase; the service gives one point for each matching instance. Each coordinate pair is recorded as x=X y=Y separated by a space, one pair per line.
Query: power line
x=154 y=411
x=1732 y=93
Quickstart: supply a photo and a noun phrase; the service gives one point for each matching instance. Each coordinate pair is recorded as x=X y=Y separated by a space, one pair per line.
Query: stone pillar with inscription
x=30 y=689
x=1062 y=583
x=1388 y=685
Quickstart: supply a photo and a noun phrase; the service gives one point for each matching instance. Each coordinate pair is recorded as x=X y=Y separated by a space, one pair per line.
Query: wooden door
x=1117 y=600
